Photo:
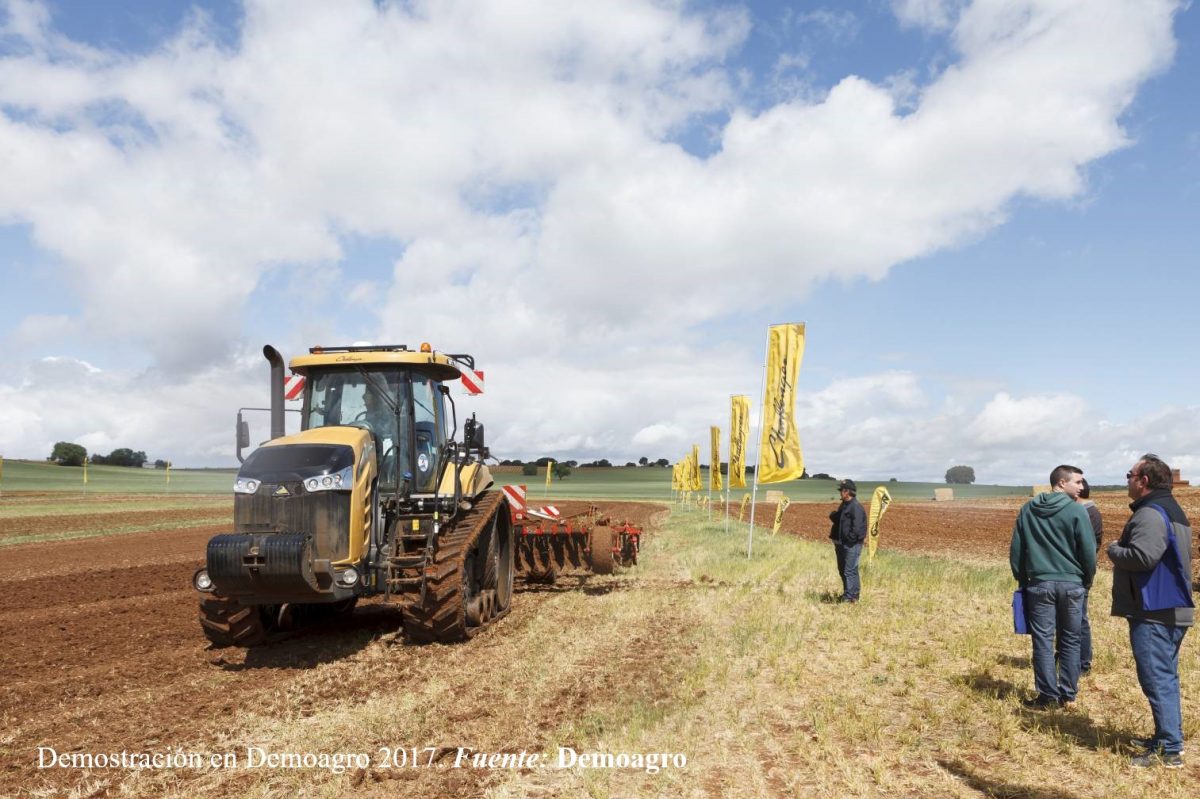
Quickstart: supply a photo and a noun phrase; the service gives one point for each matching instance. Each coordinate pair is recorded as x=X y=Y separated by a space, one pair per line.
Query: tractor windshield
x=370 y=399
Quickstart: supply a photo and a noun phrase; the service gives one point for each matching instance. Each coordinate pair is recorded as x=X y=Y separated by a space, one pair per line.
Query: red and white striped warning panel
x=472 y=379
x=293 y=387
x=548 y=512
x=516 y=498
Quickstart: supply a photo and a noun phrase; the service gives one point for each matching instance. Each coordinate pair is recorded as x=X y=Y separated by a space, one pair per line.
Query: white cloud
x=655 y=435
x=521 y=154
x=1008 y=420
x=934 y=15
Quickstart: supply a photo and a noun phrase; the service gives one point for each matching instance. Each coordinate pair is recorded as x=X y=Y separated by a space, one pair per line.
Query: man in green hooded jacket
x=1053 y=558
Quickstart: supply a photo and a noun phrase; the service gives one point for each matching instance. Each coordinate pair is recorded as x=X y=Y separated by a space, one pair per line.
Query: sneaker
x=1150 y=744
x=1151 y=759
x=1040 y=702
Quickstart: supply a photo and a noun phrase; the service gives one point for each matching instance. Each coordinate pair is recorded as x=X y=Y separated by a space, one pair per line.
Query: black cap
x=849 y=486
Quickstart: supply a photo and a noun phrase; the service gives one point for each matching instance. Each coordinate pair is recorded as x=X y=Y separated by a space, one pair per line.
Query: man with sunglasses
x=1154 y=635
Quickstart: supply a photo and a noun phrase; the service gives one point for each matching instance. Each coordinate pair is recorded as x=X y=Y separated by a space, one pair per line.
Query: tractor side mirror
x=473 y=434
x=241 y=434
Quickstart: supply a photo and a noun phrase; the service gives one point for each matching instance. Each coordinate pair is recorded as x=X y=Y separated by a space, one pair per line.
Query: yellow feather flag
x=549 y=471
x=742 y=510
x=168 y=472
x=879 y=505
x=696 y=484
x=85 y=471
x=783 y=503
x=779 y=456
x=739 y=431
x=714 y=469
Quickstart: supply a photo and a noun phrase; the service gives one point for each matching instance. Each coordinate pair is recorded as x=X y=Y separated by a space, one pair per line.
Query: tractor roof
x=438 y=365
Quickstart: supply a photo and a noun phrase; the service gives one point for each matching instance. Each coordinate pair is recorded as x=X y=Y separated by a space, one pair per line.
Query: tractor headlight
x=338 y=481
x=245 y=485
x=201 y=581
x=348 y=578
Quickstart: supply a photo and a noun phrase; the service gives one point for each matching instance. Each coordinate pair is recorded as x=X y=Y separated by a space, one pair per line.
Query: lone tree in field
x=960 y=475
x=67 y=454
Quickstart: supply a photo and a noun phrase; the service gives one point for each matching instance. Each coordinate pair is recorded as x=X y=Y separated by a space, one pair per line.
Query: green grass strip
x=68 y=535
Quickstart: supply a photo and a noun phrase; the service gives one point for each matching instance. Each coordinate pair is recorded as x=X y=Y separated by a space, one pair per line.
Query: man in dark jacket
x=1085 y=627
x=1053 y=558
x=848 y=532
x=1154 y=635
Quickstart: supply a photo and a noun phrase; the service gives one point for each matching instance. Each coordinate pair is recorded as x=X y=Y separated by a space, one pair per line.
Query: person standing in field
x=1154 y=635
x=1053 y=558
x=848 y=532
x=1085 y=626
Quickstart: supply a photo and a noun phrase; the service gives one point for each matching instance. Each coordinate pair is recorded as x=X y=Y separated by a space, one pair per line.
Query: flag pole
x=762 y=407
x=729 y=475
x=710 y=477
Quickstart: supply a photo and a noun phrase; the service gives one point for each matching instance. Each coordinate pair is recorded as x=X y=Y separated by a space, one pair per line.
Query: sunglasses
x=1131 y=475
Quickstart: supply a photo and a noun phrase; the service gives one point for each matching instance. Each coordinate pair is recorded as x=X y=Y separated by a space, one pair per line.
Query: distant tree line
x=66 y=453
x=601 y=462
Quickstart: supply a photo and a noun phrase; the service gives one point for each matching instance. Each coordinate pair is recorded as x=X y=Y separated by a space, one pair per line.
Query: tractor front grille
x=323 y=516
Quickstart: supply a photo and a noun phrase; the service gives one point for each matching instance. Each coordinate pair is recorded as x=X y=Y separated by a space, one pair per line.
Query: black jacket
x=849 y=523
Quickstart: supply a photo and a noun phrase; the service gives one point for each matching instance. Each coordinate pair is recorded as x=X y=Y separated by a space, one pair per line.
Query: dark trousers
x=1085 y=638
x=847 y=561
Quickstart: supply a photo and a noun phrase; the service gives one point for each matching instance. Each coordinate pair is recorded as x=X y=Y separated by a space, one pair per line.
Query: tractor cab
x=403 y=410
x=394 y=394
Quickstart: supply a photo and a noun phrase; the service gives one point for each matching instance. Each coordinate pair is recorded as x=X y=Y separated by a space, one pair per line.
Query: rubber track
x=442 y=617
x=227 y=623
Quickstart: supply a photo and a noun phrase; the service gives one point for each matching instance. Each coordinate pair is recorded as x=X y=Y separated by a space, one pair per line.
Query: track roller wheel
x=469 y=583
x=602 y=549
x=225 y=622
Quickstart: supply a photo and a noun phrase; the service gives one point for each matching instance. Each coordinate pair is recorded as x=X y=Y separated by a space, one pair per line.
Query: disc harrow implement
x=549 y=543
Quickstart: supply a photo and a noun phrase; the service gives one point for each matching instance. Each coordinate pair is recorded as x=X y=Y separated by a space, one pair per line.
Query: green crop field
x=641 y=483
x=41 y=476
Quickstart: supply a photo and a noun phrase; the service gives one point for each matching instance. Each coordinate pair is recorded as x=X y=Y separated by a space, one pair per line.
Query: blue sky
x=983 y=211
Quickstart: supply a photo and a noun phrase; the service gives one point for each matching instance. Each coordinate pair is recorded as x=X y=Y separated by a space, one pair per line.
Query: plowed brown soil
x=102 y=646
x=976 y=527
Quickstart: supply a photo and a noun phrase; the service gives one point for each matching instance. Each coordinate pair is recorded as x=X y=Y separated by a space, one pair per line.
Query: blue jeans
x=847 y=561
x=1156 y=653
x=1055 y=611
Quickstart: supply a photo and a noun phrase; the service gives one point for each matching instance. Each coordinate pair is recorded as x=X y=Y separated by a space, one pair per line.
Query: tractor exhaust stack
x=276 y=360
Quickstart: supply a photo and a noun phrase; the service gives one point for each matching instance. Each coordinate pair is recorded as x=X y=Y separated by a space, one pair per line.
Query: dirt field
x=978 y=527
x=102 y=642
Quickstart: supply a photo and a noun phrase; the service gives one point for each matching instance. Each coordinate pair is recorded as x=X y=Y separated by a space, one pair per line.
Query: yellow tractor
x=373 y=497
